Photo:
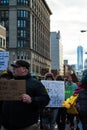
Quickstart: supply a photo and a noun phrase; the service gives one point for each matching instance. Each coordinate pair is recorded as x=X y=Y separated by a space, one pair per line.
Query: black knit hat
x=21 y=63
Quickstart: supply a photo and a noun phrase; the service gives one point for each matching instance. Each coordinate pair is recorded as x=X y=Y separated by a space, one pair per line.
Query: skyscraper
x=56 y=52
x=79 y=59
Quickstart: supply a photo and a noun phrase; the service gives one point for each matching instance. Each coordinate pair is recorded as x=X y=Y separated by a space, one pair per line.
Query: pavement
x=67 y=126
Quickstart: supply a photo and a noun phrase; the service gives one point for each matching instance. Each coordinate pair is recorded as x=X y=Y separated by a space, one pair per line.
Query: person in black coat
x=25 y=113
x=81 y=104
x=5 y=75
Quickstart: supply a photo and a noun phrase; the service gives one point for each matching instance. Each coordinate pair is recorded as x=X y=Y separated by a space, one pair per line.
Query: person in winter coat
x=5 y=75
x=82 y=100
x=24 y=114
x=49 y=114
x=70 y=86
x=61 y=116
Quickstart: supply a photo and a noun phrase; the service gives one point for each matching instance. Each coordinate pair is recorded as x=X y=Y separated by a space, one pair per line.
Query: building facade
x=56 y=53
x=2 y=38
x=79 y=59
x=65 y=62
x=27 y=25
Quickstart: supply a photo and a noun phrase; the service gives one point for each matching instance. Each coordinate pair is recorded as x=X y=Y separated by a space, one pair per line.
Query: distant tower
x=80 y=58
x=85 y=64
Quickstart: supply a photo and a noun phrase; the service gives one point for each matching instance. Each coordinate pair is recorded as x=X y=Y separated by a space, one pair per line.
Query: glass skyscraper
x=80 y=58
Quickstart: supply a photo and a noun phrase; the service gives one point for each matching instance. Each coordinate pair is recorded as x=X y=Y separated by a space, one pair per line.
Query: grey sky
x=70 y=16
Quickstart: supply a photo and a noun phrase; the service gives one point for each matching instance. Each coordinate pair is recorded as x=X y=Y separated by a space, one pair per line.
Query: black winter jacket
x=81 y=104
x=17 y=114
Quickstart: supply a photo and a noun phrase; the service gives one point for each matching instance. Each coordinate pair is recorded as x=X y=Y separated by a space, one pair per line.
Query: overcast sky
x=70 y=16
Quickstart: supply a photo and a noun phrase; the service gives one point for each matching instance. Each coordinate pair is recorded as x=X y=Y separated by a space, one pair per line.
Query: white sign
x=4 y=58
x=56 y=92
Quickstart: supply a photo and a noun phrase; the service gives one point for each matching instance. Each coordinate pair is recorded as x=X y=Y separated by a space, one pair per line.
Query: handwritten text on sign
x=12 y=89
x=56 y=91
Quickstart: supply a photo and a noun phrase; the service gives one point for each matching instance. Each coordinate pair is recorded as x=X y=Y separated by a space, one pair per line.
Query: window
x=0 y=42
x=22 y=33
x=21 y=23
x=18 y=55
x=20 y=43
x=23 y=28
x=23 y=2
x=23 y=13
x=4 y=13
x=4 y=2
x=4 y=45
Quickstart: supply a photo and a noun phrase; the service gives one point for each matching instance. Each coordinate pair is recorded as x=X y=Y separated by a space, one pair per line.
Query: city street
x=67 y=126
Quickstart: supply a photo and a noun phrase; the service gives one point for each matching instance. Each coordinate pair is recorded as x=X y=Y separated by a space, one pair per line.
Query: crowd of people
x=24 y=114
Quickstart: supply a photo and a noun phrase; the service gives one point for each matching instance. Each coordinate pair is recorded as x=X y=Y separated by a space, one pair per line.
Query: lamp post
x=82 y=31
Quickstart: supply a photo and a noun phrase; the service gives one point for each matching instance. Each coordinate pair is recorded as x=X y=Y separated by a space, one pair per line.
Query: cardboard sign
x=12 y=89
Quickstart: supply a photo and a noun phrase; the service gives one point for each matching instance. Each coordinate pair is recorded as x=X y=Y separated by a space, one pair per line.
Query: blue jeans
x=54 y=116
x=80 y=125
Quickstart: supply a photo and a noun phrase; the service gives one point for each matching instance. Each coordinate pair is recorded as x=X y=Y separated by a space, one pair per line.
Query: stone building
x=27 y=25
x=2 y=38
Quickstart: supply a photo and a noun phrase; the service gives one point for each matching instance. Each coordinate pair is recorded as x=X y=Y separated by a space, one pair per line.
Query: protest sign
x=56 y=92
x=12 y=89
x=4 y=58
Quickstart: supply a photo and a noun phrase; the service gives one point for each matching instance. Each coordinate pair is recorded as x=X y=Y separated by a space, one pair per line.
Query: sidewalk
x=67 y=126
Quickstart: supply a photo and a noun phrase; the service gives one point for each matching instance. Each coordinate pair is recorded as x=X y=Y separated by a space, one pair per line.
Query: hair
x=59 y=78
x=74 y=78
x=7 y=75
x=49 y=75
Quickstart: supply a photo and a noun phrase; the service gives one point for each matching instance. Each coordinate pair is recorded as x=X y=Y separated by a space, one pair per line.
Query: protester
x=49 y=114
x=82 y=101
x=70 y=86
x=5 y=75
x=61 y=116
x=78 y=121
x=24 y=114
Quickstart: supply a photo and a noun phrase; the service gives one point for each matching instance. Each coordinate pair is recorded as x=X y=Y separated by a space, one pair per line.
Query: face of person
x=69 y=78
x=49 y=78
x=19 y=71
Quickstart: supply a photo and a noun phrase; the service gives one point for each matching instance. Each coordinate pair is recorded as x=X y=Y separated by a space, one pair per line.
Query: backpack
x=81 y=103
